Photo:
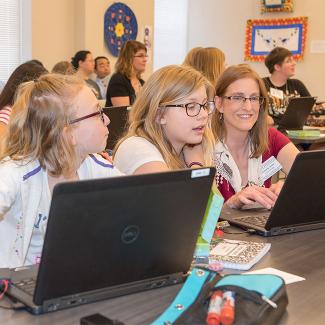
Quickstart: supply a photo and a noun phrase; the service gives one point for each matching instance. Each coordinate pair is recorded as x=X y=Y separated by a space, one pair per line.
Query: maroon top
x=277 y=141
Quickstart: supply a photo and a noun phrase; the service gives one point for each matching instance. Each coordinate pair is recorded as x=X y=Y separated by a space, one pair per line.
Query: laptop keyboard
x=27 y=285
x=259 y=221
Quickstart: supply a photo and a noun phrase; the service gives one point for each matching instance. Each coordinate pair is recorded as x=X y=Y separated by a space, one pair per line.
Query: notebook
x=296 y=113
x=300 y=205
x=238 y=254
x=115 y=236
x=118 y=116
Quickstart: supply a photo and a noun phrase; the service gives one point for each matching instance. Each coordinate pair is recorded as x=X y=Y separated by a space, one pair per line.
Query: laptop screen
x=109 y=232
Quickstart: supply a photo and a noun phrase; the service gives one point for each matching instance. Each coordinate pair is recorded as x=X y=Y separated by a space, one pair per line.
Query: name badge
x=269 y=168
x=277 y=93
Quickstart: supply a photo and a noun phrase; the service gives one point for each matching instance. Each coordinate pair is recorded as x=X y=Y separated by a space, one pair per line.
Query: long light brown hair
x=167 y=86
x=40 y=114
x=124 y=63
x=210 y=61
x=259 y=132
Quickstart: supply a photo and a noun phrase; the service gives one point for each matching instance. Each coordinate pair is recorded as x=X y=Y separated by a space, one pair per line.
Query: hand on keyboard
x=251 y=195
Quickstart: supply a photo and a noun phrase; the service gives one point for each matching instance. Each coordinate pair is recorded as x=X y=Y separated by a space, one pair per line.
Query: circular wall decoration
x=120 y=25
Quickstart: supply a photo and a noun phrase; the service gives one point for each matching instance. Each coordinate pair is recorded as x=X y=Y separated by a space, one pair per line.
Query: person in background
x=169 y=124
x=24 y=72
x=36 y=62
x=55 y=126
x=210 y=61
x=244 y=142
x=280 y=86
x=126 y=82
x=102 y=71
x=84 y=65
x=63 y=67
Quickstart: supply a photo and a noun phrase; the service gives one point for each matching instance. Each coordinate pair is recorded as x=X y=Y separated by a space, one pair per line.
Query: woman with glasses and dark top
x=169 y=124
x=247 y=152
x=126 y=82
x=55 y=127
x=279 y=85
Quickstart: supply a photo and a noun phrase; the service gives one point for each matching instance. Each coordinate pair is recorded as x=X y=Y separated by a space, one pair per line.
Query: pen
x=213 y=317
x=227 y=315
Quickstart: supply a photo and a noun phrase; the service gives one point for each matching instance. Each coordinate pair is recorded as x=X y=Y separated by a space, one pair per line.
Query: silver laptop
x=115 y=236
x=300 y=205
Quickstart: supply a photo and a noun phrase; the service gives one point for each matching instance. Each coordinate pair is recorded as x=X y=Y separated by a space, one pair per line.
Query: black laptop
x=296 y=114
x=115 y=236
x=300 y=205
x=118 y=116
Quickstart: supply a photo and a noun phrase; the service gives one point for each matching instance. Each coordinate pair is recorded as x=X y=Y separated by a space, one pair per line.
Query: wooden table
x=302 y=254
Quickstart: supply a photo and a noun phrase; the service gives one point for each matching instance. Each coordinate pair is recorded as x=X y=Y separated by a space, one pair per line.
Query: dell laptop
x=296 y=114
x=300 y=205
x=115 y=236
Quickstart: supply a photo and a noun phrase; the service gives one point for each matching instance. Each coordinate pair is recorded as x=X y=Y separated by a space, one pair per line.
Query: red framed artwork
x=262 y=35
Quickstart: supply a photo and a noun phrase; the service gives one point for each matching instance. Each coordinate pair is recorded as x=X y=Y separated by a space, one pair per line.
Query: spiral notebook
x=238 y=254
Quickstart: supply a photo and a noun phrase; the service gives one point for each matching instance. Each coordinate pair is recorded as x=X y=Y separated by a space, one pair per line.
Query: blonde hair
x=166 y=86
x=210 y=61
x=259 y=132
x=124 y=63
x=41 y=112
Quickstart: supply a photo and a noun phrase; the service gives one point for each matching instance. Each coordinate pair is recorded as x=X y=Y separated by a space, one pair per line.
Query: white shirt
x=103 y=84
x=21 y=188
x=36 y=243
x=135 y=152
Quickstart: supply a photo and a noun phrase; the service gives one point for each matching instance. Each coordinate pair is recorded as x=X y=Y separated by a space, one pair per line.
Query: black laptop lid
x=113 y=231
x=296 y=113
x=118 y=116
x=301 y=200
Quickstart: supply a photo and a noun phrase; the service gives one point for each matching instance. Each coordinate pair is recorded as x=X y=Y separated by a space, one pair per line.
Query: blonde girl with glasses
x=55 y=127
x=169 y=124
x=246 y=148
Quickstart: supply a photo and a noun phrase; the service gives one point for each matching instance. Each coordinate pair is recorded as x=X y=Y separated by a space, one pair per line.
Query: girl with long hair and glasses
x=56 y=125
x=245 y=145
x=126 y=82
x=169 y=124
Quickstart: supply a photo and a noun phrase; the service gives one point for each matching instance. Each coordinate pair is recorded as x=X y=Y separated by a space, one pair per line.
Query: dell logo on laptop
x=130 y=234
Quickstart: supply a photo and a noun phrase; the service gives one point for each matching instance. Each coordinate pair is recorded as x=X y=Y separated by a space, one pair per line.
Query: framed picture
x=263 y=35
x=276 y=6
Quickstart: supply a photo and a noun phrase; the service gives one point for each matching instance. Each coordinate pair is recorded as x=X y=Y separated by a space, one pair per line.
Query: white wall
x=60 y=28
x=222 y=23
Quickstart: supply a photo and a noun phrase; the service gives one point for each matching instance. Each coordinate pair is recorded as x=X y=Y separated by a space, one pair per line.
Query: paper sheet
x=287 y=277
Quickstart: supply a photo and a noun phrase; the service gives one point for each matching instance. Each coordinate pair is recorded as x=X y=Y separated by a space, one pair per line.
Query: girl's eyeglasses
x=100 y=112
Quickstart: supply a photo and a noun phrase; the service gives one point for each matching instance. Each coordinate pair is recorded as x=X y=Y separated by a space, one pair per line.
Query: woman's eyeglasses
x=142 y=56
x=239 y=100
x=193 y=109
x=100 y=112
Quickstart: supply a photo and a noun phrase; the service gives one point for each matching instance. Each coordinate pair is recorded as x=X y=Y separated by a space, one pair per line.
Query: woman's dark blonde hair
x=167 y=86
x=124 y=63
x=259 y=132
x=210 y=61
x=41 y=112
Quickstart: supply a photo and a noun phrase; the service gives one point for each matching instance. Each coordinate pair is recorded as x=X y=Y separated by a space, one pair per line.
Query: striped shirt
x=5 y=114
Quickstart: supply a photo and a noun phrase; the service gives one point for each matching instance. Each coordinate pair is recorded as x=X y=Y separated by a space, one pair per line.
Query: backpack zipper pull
x=269 y=301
